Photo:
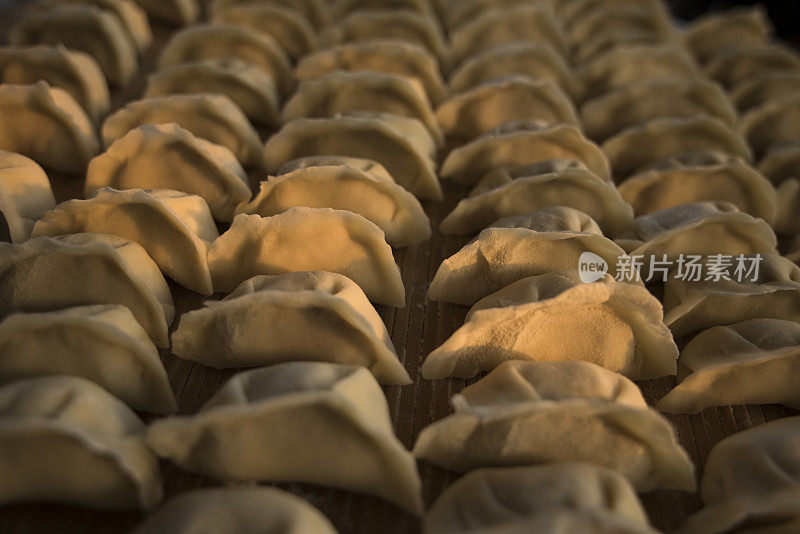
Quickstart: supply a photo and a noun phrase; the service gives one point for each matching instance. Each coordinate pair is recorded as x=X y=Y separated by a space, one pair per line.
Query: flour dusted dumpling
x=390 y=207
x=307 y=239
x=764 y=88
x=343 y=8
x=236 y=510
x=47 y=274
x=474 y=112
x=47 y=125
x=315 y=422
x=321 y=316
x=65 y=439
x=133 y=18
x=741 y=63
x=337 y=93
x=457 y=13
x=316 y=12
x=391 y=56
x=166 y=156
x=174 y=12
x=530 y=143
x=213 y=117
x=87 y=28
x=76 y=72
x=102 y=343
x=713 y=33
x=573 y=12
x=249 y=87
x=402 y=145
x=771 y=124
x=25 y=194
x=557 y=317
x=781 y=162
x=360 y=164
x=515 y=499
x=287 y=26
x=219 y=41
x=174 y=228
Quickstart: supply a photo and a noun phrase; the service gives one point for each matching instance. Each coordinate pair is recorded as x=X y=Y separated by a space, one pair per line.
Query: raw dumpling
x=772 y=124
x=320 y=316
x=249 y=87
x=765 y=88
x=175 y=12
x=551 y=219
x=236 y=510
x=479 y=110
x=133 y=18
x=742 y=63
x=574 y=11
x=315 y=422
x=25 y=194
x=457 y=13
x=343 y=8
x=390 y=207
x=208 y=115
x=307 y=239
x=752 y=362
x=781 y=162
x=360 y=164
x=715 y=32
x=166 y=156
x=48 y=126
x=637 y=147
x=65 y=439
x=288 y=27
x=87 y=28
x=531 y=143
x=173 y=227
x=102 y=343
x=787 y=222
x=46 y=274
x=316 y=12
x=75 y=72
x=400 y=144
x=557 y=317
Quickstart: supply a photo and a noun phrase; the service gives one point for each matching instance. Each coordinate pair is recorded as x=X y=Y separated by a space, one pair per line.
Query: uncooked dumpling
x=174 y=12
x=48 y=126
x=361 y=164
x=321 y=316
x=173 y=227
x=712 y=33
x=772 y=124
x=288 y=27
x=781 y=162
x=742 y=63
x=316 y=12
x=25 y=194
x=65 y=439
x=46 y=274
x=213 y=117
x=133 y=18
x=102 y=343
x=166 y=156
x=307 y=239
x=765 y=88
x=315 y=422
x=393 y=209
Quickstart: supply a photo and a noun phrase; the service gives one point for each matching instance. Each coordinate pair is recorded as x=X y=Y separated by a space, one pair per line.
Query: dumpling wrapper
x=65 y=439
x=787 y=222
x=551 y=219
x=763 y=88
x=343 y=8
x=315 y=11
x=307 y=239
x=174 y=228
x=134 y=19
x=52 y=273
x=314 y=422
x=772 y=123
x=290 y=29
x=360 y=164
x=314 y=316
x=102 y=343
x=166 y=156
x=173 y=12
x=381 y=201
x=557 y=317
x=738 y=64
x=781 y=162
x=709 y=34
x=25 y=194
x=47 y=125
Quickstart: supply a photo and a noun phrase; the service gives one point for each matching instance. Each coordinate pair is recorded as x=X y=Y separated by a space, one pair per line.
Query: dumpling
x=75 y=72
x=316 y=12
x=213 y=117
x=236 y=510
x=174 y=12
x=752 y=362
x=557 y=317
x=391 y=56
x=771 y=124
x=639 y=103
x=781 y=162
x=290 y=29
x=87 y=28
x=574 y=11
x=174 y=228
x=360 y=164
x=220 y=41
x=400 y=144
x=765 y=88
x=25 y=194
x=315 y=422
x=321 y=316
x=729 y=179
x=712 y=33
x=637 y=147
x=307 y=239
x=337 y=93
x=572 y=497
x=166 y=156
x=47 y=274
x=133 y=18
x=65 y=439
x=505 y=175
x=574 y=424
x=532 y=143
x=741 y=63
x=551 y=219
x=381 y=201
x=477 y=111
x=249 y=87
x=48 y=126
x=457 y=13
x=343 y=8
x=574 y=188
x=102 y=343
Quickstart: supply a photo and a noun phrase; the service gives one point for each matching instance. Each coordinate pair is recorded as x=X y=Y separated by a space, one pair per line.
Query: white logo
x=591 y=267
